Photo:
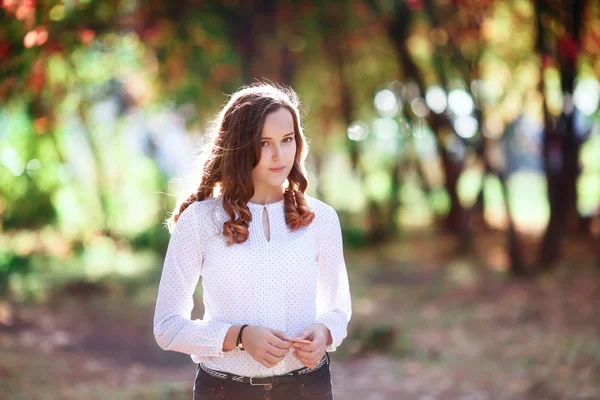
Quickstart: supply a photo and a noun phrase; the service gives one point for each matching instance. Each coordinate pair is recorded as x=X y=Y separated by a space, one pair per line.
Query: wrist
x=239 y=342
x=231 y=337
x=326 y=333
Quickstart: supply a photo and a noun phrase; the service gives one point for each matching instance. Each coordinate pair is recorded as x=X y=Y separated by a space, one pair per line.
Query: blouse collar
x=258 y=206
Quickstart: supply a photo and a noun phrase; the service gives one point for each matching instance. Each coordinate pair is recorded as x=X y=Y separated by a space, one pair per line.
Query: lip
x=277 y=169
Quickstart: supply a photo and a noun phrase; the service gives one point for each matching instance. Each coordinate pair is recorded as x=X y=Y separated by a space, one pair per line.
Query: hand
x=265 y=345
x=311 y=354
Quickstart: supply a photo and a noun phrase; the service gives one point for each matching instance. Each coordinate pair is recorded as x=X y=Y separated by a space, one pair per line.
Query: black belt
x=290 y=377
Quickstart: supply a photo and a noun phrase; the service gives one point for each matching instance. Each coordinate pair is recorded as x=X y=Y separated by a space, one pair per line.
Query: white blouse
x=286 y=283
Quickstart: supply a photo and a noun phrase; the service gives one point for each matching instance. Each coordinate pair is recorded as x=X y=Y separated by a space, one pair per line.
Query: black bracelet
x=238 y=342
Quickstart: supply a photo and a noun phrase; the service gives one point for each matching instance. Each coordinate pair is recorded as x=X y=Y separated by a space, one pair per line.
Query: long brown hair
x=235 y=150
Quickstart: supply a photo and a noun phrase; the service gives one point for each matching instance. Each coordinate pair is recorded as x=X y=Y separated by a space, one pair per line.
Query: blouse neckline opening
x=251 y=203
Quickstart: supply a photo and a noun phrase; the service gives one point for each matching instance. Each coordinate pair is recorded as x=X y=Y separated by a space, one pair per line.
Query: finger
x=308 y=335
x=277 y=352
x=311 y=356
x=303 y=341
x=277 y=342
x=301 y=346
x=301 y=356
x=303 y=361
x=267 y=363
x=307 y=361
x=312 y=362
x=303 y=353
x=304 y=346
x=277 y=358
x=281 y=335
x=270 y=358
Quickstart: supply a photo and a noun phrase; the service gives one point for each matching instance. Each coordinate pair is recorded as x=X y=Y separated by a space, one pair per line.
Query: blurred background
x=459 y=141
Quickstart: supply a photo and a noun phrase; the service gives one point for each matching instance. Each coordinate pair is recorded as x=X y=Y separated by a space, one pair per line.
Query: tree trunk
x=398 y=34
x=334 y=16
x=561 y=142
x=98 y=169
x=517 y=264
x=248 y=26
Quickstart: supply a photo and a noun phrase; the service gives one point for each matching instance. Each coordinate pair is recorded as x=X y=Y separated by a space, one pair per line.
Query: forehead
x=278 y=123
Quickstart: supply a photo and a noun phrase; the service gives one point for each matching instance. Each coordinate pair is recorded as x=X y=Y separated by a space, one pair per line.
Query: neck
x=272 y=195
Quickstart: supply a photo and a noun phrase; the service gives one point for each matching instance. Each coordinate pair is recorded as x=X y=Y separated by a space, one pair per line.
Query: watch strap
x=238 y=342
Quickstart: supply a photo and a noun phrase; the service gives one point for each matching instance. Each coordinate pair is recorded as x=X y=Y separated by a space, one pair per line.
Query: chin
x=272 y=180
x=277 y=182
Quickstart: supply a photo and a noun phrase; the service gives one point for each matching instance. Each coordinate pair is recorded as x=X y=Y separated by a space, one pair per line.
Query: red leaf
x=415 y=5
x=4 y=49
x=568 y=47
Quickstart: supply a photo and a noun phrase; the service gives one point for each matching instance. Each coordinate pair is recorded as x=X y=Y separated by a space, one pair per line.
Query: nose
x=277 y=152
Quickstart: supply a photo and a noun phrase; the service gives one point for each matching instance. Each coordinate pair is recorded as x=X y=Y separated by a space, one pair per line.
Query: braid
x=297 y=211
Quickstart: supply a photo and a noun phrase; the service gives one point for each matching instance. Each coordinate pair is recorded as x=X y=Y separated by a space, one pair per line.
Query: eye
x=288 y=139
x=264 y=143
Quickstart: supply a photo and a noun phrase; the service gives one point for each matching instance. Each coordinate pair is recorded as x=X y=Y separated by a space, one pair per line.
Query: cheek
x=257 y=170
x=264 y=158
x=291 y=152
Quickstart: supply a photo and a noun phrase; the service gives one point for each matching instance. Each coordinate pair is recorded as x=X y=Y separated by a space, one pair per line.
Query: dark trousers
x=314 y=385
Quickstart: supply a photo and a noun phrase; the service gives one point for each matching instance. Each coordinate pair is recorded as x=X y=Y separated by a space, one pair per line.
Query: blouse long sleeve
x=334 y=307
x=173 y=328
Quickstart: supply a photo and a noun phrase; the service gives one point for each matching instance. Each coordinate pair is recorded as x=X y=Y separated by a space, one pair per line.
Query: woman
x=275 y=286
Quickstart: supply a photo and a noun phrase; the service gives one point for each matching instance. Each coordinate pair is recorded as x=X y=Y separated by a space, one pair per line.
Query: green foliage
x=11 y=264
x=354 y=238
x=72 y=73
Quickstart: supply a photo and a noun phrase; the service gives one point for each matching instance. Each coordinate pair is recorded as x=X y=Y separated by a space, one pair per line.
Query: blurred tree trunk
x=334 y=31
x=459 y=217
x=596 y=233
x=288 y=65
x=398 y=32
x=394 y=200
x=317 y=158
x=103 y=191
x=597 y=243
x=289 y=26
x=560 y=146
x=478 y=215
x=248 y=25
x=517 y=263
x=244 y=40
x=336 y=54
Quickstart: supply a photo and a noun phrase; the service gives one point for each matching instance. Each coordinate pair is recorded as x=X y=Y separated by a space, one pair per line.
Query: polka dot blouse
x=286 y=283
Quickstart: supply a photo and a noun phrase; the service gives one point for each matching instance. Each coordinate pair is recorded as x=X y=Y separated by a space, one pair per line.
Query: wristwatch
x=238 y=342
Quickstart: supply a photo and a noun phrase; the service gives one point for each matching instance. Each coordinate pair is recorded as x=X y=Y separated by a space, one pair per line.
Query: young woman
x=275 y=286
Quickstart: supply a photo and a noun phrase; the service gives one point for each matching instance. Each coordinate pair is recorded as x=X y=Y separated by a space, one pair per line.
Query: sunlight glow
x=386 y=103
x=385 y=128
x=460 y=102
x=419 y=107
x=13 y=161
x=33 y=166
x=466 y=126
x=587 y=96
x=358 y=131
x=436 y=99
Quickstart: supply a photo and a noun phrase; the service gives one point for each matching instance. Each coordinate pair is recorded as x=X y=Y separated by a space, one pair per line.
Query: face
x=278 y=150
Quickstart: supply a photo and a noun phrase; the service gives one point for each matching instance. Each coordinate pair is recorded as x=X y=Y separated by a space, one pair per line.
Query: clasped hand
x=269 y=346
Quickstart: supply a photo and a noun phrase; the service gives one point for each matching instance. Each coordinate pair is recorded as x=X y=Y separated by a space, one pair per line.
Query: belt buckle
x=259 y=384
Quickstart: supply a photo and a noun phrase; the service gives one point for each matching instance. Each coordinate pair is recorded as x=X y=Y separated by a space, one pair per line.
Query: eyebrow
x=286 y=135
